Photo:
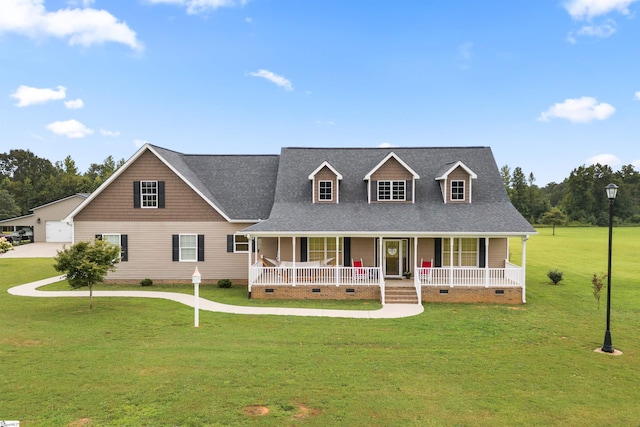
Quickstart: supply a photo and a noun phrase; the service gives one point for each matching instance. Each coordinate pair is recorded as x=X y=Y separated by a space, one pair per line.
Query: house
x=45 y=223
x=293 y=225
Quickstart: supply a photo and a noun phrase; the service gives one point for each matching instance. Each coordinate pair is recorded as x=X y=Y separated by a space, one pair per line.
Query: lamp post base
x=607 y=347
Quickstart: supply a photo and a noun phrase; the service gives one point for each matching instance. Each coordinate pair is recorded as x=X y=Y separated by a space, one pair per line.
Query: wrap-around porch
x=395 y=262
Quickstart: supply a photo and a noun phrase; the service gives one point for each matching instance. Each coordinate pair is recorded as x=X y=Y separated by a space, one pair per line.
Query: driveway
x=35 y=250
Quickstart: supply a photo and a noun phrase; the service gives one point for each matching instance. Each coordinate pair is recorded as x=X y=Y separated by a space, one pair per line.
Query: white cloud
x=81 y=26
x=637 y=96
x=580 y=110
x=200 y=6
x=140 y=142
x=74 y=104
x=605 y=159
x=27 y=95
x=602 y=31
x=273 y=78
x=587 y=9
x=636 y=164
x=386 y=145
x=105 y=132
x=70 y=129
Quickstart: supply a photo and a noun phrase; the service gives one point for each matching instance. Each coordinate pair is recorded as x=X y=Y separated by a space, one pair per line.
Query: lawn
x=133 y=362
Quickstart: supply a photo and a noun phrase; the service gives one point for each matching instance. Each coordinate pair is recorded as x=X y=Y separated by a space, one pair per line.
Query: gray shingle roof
x=242 y=186
x=490 y=210
x=277 y=190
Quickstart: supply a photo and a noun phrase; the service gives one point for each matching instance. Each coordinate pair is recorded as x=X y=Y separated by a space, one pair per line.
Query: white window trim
x=180 y=247
x=330 y=199
x=142 y=194
x=119 y=241
x=328 y=254
x=391 y=184
x=236 y=243
x=463 y=190
x=457 y=256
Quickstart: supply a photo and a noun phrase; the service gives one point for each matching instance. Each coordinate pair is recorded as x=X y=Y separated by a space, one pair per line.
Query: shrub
x=224 y=283
x=5 y=245
x=555 y=276
x=146 y=282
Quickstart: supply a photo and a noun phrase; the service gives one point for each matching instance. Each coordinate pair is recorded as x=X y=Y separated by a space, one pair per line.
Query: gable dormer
x=456 y=183
x=391 y=181
x=325 y=182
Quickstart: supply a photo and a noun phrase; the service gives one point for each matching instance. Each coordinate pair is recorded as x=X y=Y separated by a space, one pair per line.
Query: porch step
x=400 y=295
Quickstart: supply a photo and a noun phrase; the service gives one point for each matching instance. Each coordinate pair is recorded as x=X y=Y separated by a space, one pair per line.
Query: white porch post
x=451 y=261
x=415 y=258
x=278 y=250
x=524 y=269
x=293 y=246
x=249 y=262
x=337 y=263
x=486 y=262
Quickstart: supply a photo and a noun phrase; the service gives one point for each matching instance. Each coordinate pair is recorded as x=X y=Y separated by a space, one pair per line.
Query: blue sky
x=548 y=85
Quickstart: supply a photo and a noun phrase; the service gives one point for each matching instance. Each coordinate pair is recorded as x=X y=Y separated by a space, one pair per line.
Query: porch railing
x=511 y=275
x=292 y=276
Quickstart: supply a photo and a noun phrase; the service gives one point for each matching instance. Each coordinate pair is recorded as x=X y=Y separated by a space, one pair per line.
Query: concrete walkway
x=388 y=311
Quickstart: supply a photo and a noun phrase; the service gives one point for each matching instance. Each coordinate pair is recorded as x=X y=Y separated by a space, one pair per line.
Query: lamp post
x=195 y=279
x=612 y=191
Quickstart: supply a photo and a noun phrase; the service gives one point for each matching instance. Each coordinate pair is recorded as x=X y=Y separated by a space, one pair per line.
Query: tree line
x=28 y=181
x=579 y=199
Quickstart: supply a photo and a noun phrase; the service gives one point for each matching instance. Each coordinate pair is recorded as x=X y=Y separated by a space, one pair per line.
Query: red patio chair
x=424 y=272
x=359 y=273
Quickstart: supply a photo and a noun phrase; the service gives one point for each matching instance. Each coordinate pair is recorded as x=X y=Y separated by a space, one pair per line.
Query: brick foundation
x=472 y=294
x=318 y=292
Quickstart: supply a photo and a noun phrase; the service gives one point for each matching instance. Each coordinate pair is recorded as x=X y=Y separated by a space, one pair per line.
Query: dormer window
x=325 y=184
x=457 y=190
x=392 y=191
x=325 y=191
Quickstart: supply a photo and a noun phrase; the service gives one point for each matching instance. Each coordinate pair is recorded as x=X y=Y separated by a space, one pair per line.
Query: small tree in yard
x=86 y=263
x=554 y=217
x=598 y=283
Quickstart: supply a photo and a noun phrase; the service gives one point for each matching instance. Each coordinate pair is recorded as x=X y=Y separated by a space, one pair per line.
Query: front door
x=394 y=257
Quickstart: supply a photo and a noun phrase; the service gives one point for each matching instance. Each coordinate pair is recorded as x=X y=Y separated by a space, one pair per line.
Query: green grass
x=134 y=362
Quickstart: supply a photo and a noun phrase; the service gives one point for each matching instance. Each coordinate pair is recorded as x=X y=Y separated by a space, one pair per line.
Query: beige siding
x=116 y=201
x=426 y=249
x=497 y=252
x=365 y=248
x=393 y=170
x=54 y=212
x=459 y=174
x=325 y=174
x=150 y=250
x=268 y=247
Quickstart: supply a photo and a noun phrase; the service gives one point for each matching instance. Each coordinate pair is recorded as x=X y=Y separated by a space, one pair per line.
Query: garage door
x=58 y=231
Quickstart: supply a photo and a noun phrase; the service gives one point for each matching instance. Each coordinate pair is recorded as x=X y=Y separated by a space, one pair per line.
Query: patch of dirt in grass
x=80 y=422
x=306 y=412
x=21 y=343
x=518 y=308
x=256 y=410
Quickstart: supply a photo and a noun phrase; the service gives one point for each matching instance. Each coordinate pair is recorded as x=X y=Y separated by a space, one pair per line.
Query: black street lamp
x=612 y=190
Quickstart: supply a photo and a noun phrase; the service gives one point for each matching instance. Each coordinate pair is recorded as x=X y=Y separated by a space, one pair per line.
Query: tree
x=86 y=263
x=554 y=217
x=8 y=206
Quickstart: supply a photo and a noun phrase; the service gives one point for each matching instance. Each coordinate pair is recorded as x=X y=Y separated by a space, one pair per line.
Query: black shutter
x=408 y=191
x=253 y=245
x=175 y=241
x=161 y=194
x=375 y=251
x=136 y=194
x=303 y=249
x=374 y=191
x=346 y=253
x=437 y=252
x=229 y=242
x=98 y=236
x=200 y=247
x=124 y=247
x=482 y=253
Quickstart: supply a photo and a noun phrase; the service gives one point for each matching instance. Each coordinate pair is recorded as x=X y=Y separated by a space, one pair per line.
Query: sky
x=548 y=85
